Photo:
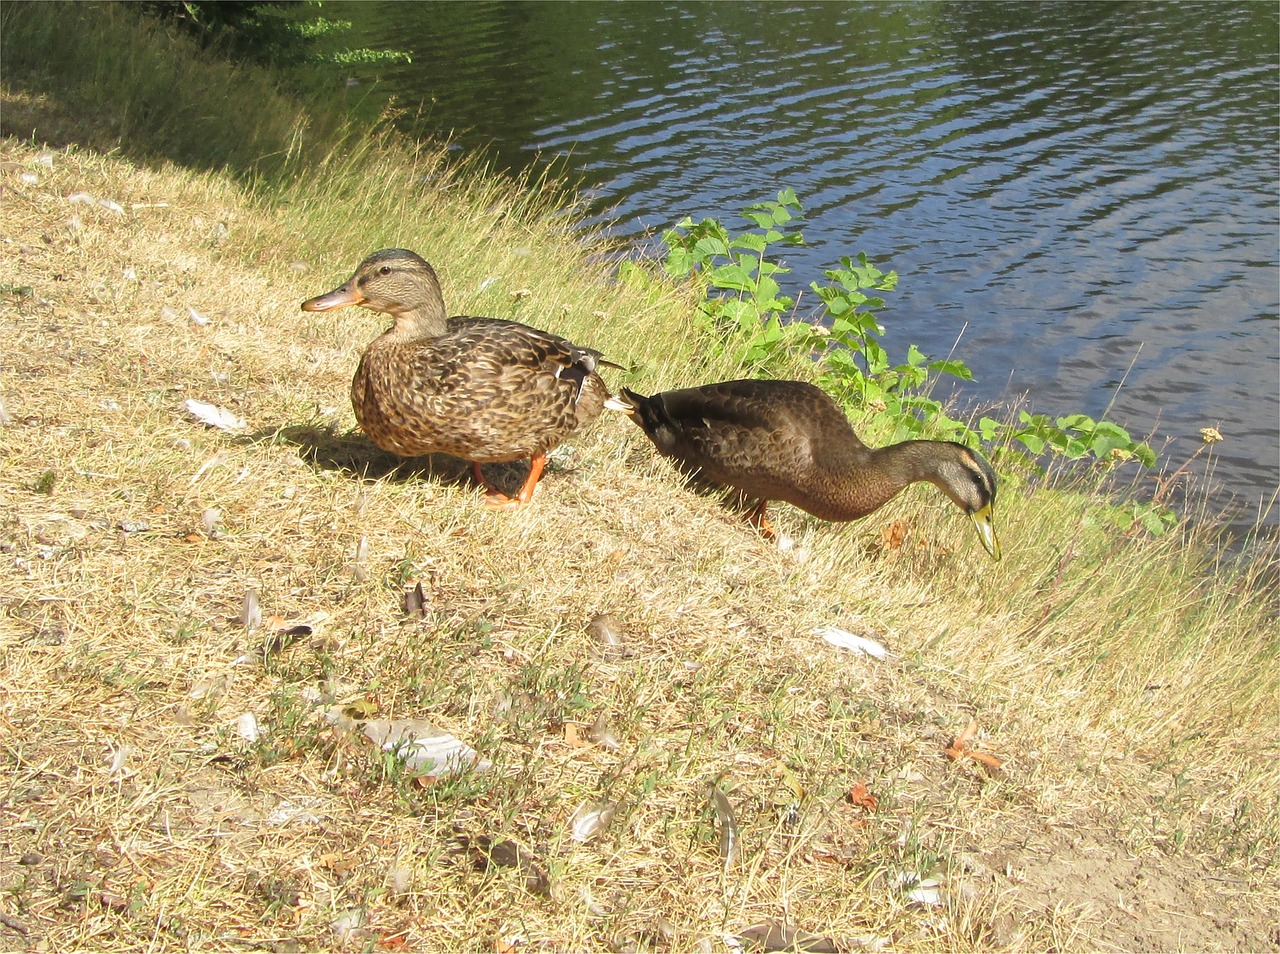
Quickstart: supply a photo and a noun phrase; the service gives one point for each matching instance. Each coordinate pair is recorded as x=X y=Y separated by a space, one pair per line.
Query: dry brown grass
x=1136 y=806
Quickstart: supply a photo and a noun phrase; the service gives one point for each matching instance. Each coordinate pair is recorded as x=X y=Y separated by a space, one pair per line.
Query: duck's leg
x=484 y=481
x=500 y=501
x=757 y=517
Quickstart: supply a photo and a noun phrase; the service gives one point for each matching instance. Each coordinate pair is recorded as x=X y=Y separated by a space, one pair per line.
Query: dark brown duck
x=482 y=389
x=787 y=440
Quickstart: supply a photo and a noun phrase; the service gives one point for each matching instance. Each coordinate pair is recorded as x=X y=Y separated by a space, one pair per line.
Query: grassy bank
x=1127 y=684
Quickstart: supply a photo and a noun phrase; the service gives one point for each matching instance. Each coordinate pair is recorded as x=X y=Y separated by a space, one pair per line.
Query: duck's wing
x=514 y=354
x=763 y=405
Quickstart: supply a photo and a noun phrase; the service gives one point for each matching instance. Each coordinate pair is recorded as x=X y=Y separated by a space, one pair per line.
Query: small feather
x=120 y=759
x=209 y=520
x=214 y=416
x=858 y=644
x=602 y=734
x=730 y=839
x=250 y=611
x=587 y=823
x=422 y=746
x=247 y=727
x=615 y=403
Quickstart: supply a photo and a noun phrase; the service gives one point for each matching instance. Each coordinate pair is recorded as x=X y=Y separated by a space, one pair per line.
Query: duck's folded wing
x=509 y=354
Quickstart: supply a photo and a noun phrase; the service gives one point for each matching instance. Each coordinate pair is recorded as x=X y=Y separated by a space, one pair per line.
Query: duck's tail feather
x=626 y=401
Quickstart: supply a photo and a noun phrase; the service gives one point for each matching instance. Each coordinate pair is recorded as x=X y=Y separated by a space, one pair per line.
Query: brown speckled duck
x=787 y=440
x=483 y=389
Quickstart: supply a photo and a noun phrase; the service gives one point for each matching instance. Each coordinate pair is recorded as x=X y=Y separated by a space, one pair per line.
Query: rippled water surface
x=1079 y=192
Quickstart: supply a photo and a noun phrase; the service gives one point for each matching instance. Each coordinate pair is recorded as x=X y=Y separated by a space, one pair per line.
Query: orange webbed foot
x=497 y=500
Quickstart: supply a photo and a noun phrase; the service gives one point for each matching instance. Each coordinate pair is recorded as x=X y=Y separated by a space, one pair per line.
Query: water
x=1082 y=194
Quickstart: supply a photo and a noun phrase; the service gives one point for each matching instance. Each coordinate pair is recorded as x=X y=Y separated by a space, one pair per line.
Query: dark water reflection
x=1077 y=187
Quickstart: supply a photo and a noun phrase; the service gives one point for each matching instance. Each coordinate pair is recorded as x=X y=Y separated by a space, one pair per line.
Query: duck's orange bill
x=340 y=297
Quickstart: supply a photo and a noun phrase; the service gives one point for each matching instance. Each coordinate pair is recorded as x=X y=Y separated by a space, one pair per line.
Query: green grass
x=1127 y=682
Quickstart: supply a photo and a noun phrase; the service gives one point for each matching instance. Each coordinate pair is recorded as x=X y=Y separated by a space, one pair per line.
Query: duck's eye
x=385 y=270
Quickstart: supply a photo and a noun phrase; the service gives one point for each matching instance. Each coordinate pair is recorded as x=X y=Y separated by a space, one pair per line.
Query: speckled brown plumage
x=787 y=440
x=483 y=389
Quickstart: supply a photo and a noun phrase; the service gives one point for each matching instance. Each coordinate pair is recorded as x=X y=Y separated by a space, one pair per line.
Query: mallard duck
x=482 y=389
x=787 y=440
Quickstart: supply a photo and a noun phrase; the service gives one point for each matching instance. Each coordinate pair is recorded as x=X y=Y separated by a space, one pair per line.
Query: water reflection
x=1086 y=190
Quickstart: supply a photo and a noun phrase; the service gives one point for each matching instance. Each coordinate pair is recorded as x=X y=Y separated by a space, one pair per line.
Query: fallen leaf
x=415 y=601
x=360 y=709
x=893 y=533
x=959 y=749
x=487 y=853
x=284 y=637
x=792 y=783
x=776 y=936
x=859 y=797
x=211 y=686
x=985 y=758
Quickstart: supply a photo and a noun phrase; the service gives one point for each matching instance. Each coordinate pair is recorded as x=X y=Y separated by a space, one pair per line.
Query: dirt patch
x=1129 y=902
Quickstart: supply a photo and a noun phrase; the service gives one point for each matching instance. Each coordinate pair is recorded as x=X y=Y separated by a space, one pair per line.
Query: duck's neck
x=427 y=321
x=863 y=479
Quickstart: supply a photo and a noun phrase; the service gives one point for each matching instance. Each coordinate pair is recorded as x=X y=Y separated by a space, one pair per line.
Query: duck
x=485 y=390
x=789 y=441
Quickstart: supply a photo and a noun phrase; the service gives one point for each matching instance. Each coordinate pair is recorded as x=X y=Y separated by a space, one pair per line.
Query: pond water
x=1083 y=194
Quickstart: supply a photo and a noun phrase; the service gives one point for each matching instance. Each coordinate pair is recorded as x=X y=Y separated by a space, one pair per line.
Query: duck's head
x=966 y=477
x=394 y=281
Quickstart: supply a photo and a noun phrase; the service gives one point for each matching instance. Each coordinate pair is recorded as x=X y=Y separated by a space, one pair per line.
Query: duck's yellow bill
x=985 y=522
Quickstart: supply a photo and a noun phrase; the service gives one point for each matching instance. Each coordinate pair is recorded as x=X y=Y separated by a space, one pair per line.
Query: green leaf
x=732 y=276
x=1103 y=444
x=953 y=367
x=1077 y=421
x=1032 y=442
x=767 y=292
x=710 y=246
